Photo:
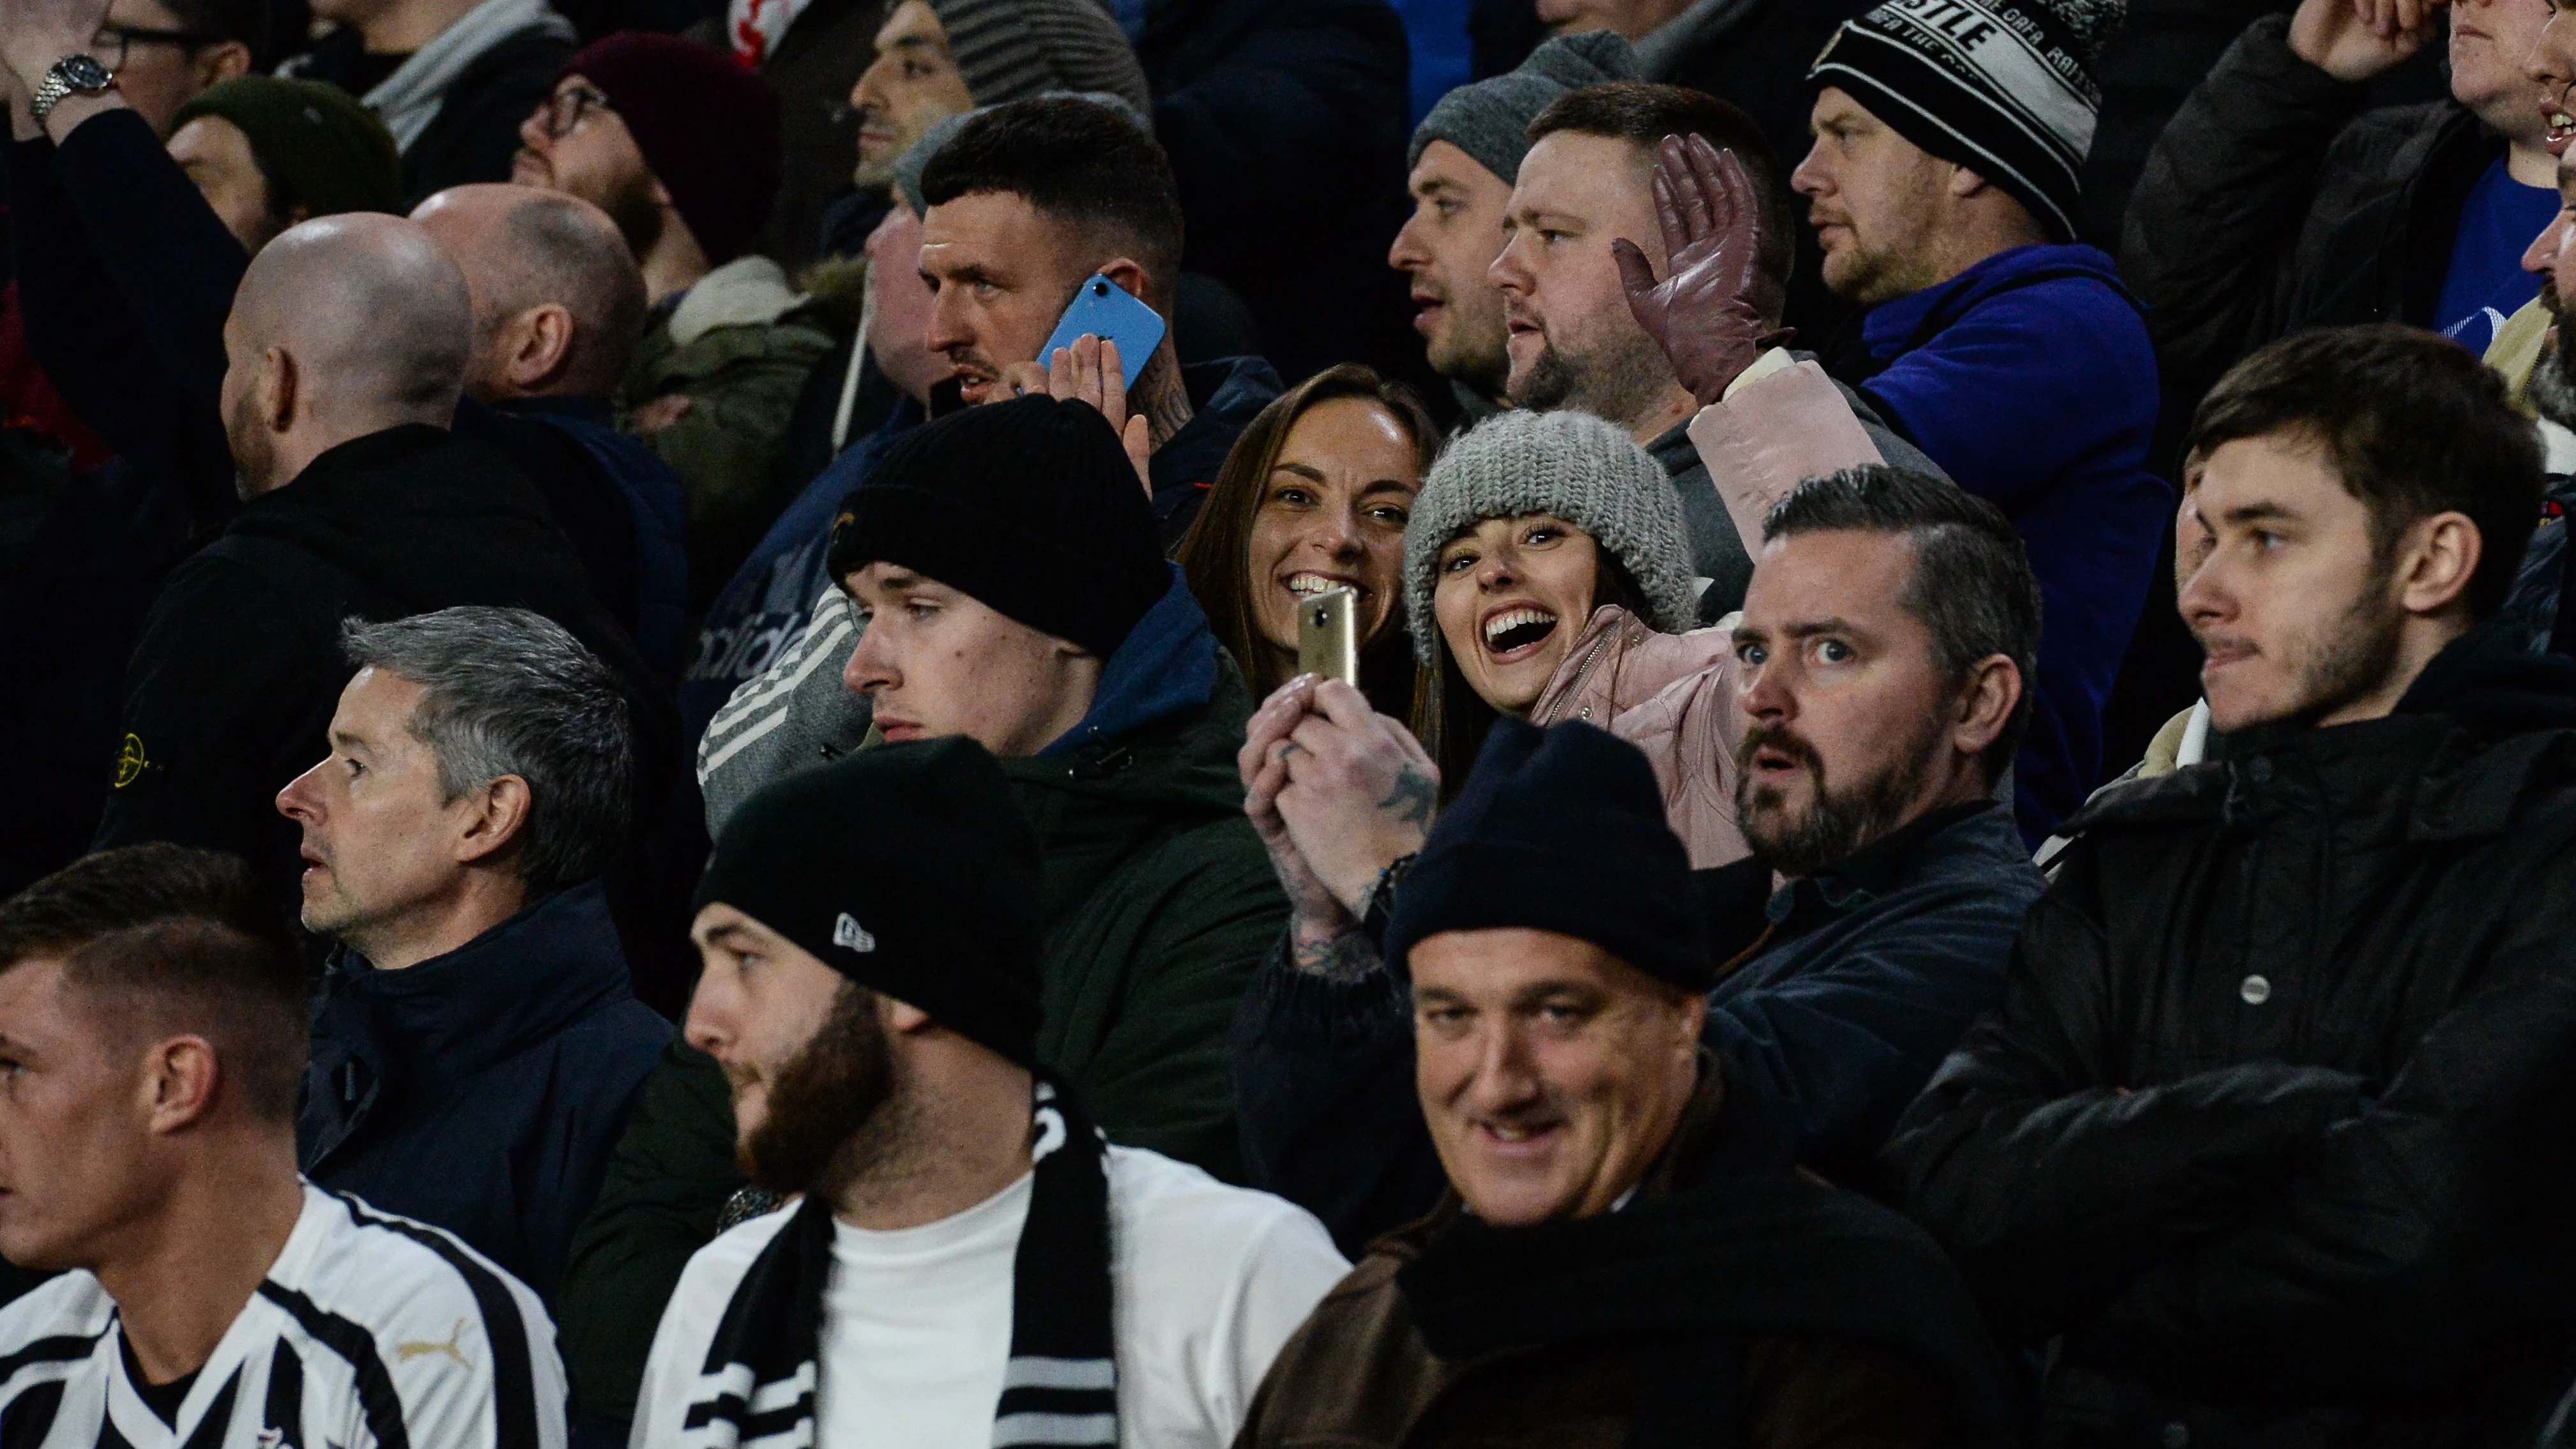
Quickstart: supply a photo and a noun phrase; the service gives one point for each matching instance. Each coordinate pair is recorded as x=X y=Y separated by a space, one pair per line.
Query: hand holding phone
x=1103 y=309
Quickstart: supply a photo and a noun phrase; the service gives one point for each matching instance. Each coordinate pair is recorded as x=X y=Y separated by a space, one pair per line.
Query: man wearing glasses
x=162 y=55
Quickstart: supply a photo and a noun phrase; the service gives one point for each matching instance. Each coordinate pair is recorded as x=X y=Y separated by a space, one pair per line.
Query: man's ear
x=222 y=61
x=1986 y=705
x=2436 y=561
x=1131 y=277
x=1965 y=183
x=542 y=345
x=180 y=1075
x=279 y=383
x=496 y=815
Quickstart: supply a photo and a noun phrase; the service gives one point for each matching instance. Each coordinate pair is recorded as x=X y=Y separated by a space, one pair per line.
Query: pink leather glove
x=1703 y=314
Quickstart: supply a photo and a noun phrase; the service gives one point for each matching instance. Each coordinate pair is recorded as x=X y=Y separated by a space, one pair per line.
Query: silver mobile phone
x=1328 y=636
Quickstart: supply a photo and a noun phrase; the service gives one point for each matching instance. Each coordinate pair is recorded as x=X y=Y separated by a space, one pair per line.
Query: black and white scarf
x=1061 y=1386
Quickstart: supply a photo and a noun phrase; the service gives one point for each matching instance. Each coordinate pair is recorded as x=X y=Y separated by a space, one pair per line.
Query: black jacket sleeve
x=2052 y=1181
x=210 y=720
x=666 y=1185
x=2398 y=1254
x=2214 y=232
x=1324 y=1087
x=82 y=308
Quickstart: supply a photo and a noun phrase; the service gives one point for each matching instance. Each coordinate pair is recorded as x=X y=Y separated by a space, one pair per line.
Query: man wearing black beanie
x=874 y=949
x=1620 y=1238
x=1015 y=595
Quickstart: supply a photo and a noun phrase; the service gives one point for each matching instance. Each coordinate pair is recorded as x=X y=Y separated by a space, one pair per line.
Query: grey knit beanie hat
x=1010 y=50
x=1490 y=119
x=1567 y=463
x=916 y=157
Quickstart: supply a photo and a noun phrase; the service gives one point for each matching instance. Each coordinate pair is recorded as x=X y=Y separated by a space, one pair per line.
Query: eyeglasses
x=113 y=40
x=566 y=109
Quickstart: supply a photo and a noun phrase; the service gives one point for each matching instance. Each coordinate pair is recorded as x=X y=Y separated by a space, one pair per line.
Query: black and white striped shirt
x=370 y=1332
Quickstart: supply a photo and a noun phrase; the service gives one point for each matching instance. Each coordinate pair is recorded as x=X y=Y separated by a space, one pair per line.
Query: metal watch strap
x=58 y=86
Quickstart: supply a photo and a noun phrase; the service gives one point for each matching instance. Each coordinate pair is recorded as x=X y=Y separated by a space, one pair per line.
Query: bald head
x=342 y=327
x=528 y=253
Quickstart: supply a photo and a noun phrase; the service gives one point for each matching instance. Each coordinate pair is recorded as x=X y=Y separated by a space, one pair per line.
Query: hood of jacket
x=1162 y=732
x=1225 y=396
x=385 y=1038
x=1895 y=328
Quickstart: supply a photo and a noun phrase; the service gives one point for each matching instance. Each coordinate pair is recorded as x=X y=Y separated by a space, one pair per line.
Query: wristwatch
x=73 y=75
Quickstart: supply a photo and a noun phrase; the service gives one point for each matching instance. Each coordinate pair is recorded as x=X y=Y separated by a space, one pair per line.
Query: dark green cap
x=319 y=148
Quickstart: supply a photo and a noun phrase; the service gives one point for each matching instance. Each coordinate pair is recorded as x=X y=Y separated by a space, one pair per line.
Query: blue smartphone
x=1103 y=309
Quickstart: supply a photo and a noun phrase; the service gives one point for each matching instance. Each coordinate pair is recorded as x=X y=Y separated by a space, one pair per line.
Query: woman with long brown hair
x=1315 y=496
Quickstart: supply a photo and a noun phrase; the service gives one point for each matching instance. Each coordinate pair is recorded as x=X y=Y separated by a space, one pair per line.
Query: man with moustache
x=2262 y=1135
x=2538 y=605
x=971 y=1262
x=1881 y=657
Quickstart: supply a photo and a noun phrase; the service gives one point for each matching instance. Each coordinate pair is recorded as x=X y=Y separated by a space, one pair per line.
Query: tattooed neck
x=1161 y=397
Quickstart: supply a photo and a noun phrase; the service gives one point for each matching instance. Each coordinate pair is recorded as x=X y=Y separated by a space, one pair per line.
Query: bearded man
x=2264 y=1134
x=1887 y=636
x=970 y=1261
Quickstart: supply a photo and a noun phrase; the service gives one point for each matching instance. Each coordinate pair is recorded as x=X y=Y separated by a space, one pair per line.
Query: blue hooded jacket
x=2031 y=380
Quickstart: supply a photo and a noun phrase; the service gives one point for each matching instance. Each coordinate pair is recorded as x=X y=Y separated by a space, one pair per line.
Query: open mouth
x=1512 y=633
x=1515 y=1136
x=2562 y=129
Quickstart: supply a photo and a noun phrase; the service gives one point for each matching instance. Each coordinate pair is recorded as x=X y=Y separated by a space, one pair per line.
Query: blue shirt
x=2486 y=283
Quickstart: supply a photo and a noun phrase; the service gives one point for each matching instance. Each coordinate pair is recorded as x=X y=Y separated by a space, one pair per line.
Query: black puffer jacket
x=2271 y=1125
x=2275 y=201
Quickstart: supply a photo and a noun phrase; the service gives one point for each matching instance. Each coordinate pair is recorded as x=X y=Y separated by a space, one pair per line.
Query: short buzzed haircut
x=1078 y=162
x=168 y=939
x=562 y=255
x=1971 y=587
x=1643 y=114
x=511 y=692
x=2410 y=421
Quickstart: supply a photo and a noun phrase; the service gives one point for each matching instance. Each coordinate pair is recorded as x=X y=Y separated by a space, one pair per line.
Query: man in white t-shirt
x=970 y=1264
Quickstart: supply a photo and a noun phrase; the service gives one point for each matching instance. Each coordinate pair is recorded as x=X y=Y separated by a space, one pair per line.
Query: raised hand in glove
x=1703 y=314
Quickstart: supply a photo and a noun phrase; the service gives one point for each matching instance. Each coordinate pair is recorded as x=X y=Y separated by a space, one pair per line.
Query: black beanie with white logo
x=907 y=868
x=2003 y=87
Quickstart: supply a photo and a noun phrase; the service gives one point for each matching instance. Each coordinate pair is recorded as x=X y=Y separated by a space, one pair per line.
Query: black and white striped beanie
x=2002 y=87
x=1568 y=464
x=1010 y=50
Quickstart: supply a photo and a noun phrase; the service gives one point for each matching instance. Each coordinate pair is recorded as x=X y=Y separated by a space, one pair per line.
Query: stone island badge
x=131 y=761
x=849 y=933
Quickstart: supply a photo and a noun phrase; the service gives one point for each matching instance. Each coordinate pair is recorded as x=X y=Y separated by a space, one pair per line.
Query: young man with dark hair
x=1950 y=144
x=1012 y=590
x=1573 y=340
x=475 y=1041
x=1877 y=689
x=1022 y=205
x=152 y=1010
x=2263 y=1133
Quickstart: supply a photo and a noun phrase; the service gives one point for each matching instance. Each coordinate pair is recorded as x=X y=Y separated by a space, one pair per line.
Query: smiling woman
x=1315 y=496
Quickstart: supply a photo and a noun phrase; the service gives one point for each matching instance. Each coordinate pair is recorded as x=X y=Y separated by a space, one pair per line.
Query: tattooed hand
x=1360 y=793
x=1314 y=916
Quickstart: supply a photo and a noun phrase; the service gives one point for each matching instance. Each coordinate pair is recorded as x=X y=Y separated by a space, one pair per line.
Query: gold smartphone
x=1328 y=636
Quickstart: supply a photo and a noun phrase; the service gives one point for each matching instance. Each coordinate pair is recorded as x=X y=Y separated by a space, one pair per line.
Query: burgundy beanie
x=706 y=125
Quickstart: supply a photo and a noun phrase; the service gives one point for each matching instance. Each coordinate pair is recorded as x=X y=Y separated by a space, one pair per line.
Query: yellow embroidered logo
x=409 y=1351
x=131 y=761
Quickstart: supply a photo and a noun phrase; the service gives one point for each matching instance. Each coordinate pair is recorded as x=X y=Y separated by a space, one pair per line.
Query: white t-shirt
x=1207 y=1280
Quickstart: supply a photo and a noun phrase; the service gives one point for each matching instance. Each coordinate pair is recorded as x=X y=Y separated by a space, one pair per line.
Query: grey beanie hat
x=1490 y=119
x=1010 y=50
x=1567 y=463
x=916 y=157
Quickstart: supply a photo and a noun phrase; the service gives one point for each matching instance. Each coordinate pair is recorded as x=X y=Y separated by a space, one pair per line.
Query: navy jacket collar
x=1934 y=848
x=452 y=1016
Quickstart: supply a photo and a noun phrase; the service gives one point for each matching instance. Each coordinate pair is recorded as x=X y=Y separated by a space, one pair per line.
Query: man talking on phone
x=1023 y=205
